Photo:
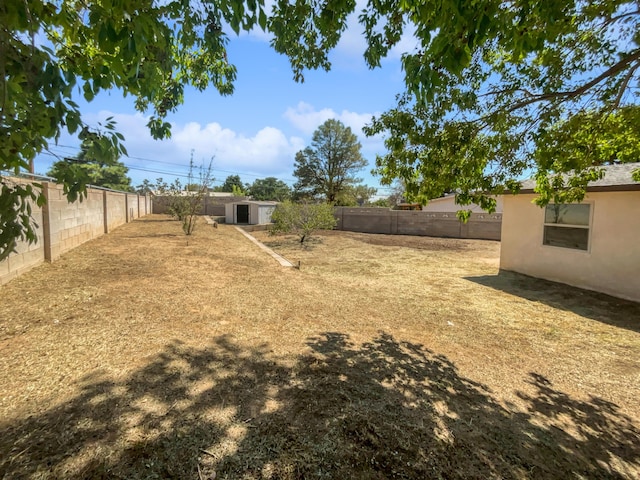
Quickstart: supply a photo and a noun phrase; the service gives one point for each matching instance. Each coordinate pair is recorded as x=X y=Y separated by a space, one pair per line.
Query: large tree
x=491 y=85
x=82 y=170
x=270 y=188
x=356 y=196
x=232 y=184
x=328 y=167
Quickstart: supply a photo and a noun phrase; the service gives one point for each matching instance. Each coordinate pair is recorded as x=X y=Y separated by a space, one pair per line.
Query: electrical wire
x=244 y=174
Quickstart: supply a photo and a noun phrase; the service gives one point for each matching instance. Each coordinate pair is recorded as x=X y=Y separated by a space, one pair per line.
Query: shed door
x=242 y=213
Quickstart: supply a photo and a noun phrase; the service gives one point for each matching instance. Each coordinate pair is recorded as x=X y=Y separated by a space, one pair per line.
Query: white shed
x=249 y=212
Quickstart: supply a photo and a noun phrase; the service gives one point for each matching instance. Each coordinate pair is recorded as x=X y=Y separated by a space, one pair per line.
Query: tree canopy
x=356 y=195
x=78 y=172
x=327 y=167
x=270 y=188
x=232 y=184
x=493 y=83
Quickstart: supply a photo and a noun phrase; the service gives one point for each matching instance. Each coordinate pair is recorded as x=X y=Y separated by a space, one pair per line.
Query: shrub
x=302 y=219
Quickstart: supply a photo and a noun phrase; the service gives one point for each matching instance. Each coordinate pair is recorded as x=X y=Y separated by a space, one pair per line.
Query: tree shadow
x=155 y=219
x=291 y=242
x=384 y=409
x=153 y=235
x=597 y=306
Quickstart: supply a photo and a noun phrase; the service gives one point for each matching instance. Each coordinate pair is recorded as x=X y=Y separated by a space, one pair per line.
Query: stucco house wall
x=610 y=265
x=448 y=204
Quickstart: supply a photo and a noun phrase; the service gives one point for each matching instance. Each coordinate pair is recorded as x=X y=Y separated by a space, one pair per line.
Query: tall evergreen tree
x=328 y=167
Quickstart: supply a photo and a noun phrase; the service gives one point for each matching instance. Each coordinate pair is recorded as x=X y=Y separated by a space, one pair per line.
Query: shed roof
x=616 y=178
x=257 y=202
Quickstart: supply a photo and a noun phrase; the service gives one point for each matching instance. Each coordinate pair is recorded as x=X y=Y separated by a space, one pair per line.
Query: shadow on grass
x=385 y=409
x=155 y=219
x=597 y=306
x=154 y=235
x=292 y=243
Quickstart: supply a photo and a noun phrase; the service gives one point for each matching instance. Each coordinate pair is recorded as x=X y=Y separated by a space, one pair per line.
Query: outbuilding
x=249 y=212
x=448 y=204
x=594 y=244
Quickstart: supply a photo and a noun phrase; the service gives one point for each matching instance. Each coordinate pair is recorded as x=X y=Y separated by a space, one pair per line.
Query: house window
x=567 y=226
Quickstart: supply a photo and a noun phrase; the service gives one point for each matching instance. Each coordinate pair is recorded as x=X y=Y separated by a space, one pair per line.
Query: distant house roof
x=616 y=178
x=221 y=194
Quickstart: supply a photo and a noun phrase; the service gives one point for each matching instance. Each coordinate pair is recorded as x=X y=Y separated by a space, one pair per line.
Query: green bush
x=302 y=219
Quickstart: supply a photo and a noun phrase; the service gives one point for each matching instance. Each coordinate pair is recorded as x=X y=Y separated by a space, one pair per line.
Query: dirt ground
x=148 y=354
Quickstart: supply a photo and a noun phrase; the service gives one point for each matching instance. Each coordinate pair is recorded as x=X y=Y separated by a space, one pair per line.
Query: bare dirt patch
x=145 y=354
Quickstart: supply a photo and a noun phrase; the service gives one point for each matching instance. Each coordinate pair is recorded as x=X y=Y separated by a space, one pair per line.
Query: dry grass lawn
x=144 y=354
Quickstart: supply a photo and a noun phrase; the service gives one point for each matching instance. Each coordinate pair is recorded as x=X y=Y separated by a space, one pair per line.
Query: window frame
x=587 y=227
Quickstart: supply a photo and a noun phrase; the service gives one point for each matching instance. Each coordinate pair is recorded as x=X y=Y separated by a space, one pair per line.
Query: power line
x=387 y=189
x=286 y=180
x=160 y=172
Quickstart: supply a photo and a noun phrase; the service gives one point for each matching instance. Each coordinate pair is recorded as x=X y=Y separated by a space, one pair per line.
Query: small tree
x=171 y=195
x=145 y=187
x=302 y=219
x=194 y=198
x=185 y=204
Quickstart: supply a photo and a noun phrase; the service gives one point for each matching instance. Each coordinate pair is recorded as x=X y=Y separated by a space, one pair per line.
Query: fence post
x=46 y=222
x=105 y=209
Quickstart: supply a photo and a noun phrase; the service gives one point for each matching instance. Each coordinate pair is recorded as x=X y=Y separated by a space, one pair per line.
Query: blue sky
x=257 y=131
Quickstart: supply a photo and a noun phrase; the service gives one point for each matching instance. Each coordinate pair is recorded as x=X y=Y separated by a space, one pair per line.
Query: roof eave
x=605 y=188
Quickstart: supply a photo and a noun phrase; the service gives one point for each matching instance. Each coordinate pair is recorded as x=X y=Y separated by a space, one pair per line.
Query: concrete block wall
x=148 y=206
x=115 y=209
x=214 y=210
x=433 y=224
x=69 y=225
x=27 y=256
x=63 y=226
x=132 y=206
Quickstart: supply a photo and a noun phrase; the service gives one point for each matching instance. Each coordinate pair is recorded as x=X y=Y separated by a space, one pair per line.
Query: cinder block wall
x=68 y=225
x=115 y=210
x=63 y=226
x=433 y=224
x=27 y=256
x=132 y=206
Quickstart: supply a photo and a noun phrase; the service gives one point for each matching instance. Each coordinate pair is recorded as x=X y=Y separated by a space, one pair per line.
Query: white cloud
x=307 y=119
x=267 y=153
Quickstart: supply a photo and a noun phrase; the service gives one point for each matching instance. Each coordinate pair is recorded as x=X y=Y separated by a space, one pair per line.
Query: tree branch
x=611 y=71
x=535 y=98
x=625 y=84
x=611 y=20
